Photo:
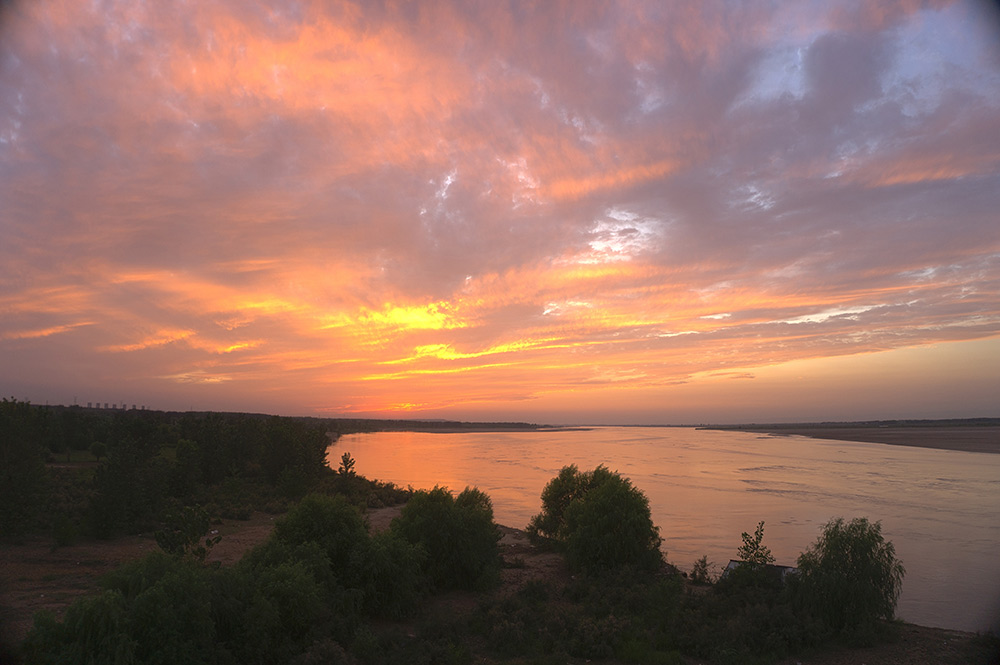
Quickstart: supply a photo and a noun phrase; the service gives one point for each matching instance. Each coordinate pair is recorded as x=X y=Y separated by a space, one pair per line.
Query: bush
x=330 y=521
x=458 y=535
x=153 y=610
x=700 y=571
x=23 y=485
x=850 y=578
x=183 y=531
x=388 y=572
x=601 y=520
x=558 y=494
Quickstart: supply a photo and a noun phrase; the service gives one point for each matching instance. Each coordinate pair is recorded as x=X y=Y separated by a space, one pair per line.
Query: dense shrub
x=458 y=534
x=22 y=467
x=129 y=489
x=601 y=519
x=850 y=578
x=329 y=521
x=388 y=571
x=183 y=531
x=700 y=571
x=154 y=610
x=558 y=494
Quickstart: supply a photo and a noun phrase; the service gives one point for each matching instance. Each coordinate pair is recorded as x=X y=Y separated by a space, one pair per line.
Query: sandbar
x=973 y=438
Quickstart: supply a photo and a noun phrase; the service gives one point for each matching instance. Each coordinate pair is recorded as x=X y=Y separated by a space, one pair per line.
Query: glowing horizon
x=572 y=213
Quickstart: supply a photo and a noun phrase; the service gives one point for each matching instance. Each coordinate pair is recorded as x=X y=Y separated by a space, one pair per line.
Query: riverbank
x=38 y=576
x=973 y=438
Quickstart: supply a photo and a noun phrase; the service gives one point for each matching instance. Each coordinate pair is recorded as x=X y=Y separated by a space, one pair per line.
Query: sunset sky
x=630 y=212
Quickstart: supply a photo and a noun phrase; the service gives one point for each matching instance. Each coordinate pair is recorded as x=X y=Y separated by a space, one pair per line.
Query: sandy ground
x=984 y=439
x=36 y=576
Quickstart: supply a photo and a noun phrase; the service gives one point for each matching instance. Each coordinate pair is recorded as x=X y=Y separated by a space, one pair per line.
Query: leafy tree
x=98 y=450
x=600 y=518
x=22 y=466
x=571 y=484
x=346 y=465
x=850 y=577
x=129 y=487
x=388 y=571
x=183 y=533
x=458 y=534
x=700 y=571
x=753 y=551
x=329 y=521
x=611 y=528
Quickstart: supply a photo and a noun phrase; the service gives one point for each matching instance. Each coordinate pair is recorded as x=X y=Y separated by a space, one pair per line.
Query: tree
x=23 y=482
x=458 y=534
x=98 y=450
x=850 y=577
x=183 y=532
x=601 y=520
x=700 y=571
x=752 y=551
x=346 y=465
x=570 y=485
x=330 y=522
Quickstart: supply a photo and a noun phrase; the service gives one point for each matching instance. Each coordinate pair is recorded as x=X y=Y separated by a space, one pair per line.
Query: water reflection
x=940 y=508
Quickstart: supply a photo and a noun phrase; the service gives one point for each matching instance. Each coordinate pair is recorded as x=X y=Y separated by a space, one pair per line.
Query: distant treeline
x=100 y=472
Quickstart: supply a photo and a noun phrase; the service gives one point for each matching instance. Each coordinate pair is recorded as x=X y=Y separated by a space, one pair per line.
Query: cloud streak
x=342 y=208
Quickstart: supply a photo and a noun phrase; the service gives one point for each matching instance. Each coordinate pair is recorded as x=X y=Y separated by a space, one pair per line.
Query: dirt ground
x=34 y=576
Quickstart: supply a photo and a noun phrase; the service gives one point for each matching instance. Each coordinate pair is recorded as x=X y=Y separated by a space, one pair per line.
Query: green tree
x=98 y=450
x=700 y=571
x=570 y=485
x=850 y=577
x=330 y=522
x=23 y=482
x=129 y=487
x=346 y=465
x=610 y=528
x=602 y=521
x=458 y=534
x=183 y=532
x=753 y=551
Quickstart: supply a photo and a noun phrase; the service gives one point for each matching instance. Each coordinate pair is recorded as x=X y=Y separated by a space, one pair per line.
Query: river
x=940 y=508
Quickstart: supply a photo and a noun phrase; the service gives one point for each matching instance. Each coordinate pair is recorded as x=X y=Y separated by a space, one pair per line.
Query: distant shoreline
x=967 y=438
x=490 y=428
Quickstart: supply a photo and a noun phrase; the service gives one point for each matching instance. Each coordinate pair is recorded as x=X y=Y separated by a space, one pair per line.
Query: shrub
x=700 y=573
x=93 y=631
x=330 y=521
x=98 y=449
x=850 y=577
x=388 y=572
x=22 y=467
x=458 y=534
x=183 y=531
x=285 y=615
x=601 y=520
x=558 y=494
x=153 y=610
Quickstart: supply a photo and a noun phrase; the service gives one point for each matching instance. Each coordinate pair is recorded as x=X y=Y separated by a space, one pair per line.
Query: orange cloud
x=577 y=187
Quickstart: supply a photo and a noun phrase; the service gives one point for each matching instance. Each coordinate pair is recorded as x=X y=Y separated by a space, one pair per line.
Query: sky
x=561 y=212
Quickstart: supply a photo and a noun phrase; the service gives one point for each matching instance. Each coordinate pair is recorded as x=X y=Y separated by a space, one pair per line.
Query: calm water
x=940 y=508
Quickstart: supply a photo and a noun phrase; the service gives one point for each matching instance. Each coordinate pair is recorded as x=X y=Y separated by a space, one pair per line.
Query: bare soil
x=34 y=576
